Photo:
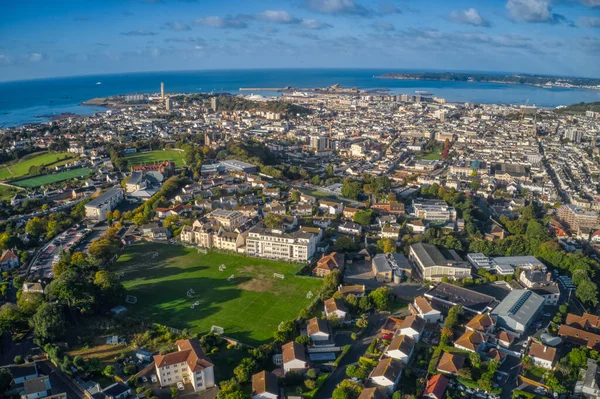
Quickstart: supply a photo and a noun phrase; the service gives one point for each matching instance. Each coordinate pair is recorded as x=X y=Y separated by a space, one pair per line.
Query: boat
x=98 y=83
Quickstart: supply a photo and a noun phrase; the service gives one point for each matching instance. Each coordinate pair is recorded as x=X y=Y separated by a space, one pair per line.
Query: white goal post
x=278 y=275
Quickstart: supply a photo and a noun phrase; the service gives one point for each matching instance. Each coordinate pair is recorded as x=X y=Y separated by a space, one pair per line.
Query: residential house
x=450 y=363
x=505 y=339
x=413 y=327
x=472 y=341
x=335 y=308
x=371 y=393
x=436 y=387
x=586 y=322
x=265 y=386
x=401 y=348
x=357 y=290
x=188 y=365
x=350 y=228
x=424 y=310
x=118 y=390
x=9 y=260
x=417 y=226
x=319 y=330
x=321 y=222
x=390 y=232
x=329 y=263
x=386 y=374
x=35 y=388
x=331 y=208
x=481 y=322
x=33 y=287
x=294 y=357
x=533 y=278
x=580 y=337
x=542 y=355
x=589 y=385
x=349 y=212
x=496 y=354
x=23 y=372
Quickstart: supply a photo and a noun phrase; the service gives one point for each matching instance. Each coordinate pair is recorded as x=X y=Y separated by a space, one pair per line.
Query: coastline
x=408 y=78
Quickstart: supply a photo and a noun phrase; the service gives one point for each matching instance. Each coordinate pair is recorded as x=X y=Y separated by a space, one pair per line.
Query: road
x=356 y=351
x=60 y=383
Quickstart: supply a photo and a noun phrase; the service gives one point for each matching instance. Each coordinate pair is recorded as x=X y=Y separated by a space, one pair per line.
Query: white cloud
x=337 y=7
x=178 y=27
x=531 y=11
x=35 y=57
x=277 y=17
x=236 y=22
x=469 y=17
x=590 y=22
x=591 y=3
x=315 y=24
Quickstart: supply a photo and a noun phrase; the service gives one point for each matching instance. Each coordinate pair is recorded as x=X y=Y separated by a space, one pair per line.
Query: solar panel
x=520 y=302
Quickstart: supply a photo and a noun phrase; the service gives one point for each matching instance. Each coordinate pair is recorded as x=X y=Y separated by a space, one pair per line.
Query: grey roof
x=590 y=380
x=101 y=199
x=136 y=177
x=518 y=261
x=519 y=305
x=23 y=370
x=456 y=295
x=430 y=255
x=381 y=263
x=115 y=389
x=35 y=385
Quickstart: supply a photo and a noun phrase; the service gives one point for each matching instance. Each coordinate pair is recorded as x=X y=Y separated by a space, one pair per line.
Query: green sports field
x=52 y=178
x=156 y=156
x=21 y=167
x=249 y=308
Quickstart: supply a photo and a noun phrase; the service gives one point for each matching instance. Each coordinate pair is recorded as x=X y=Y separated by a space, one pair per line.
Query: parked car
x=180 y=386
x=153 y=378
x=387 y=336
x=144 y=379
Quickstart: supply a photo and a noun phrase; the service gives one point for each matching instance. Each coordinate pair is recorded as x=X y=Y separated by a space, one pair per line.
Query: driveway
x=356 y=351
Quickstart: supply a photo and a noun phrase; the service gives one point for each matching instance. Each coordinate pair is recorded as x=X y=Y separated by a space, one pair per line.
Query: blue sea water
x=36 y=100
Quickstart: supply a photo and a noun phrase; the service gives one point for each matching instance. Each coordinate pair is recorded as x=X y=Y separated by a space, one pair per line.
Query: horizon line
x=391 y=70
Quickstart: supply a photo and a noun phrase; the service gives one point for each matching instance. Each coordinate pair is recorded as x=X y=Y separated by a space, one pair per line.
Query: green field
x=156 y=156
x=6 y=193
x=21 y=167
x=53 y=178
x=249 y=308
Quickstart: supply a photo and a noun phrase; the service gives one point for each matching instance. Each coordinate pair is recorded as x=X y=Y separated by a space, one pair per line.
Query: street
x=358 y=349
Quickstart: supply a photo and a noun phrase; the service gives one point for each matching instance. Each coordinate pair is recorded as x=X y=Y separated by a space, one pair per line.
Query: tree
x=230 y=389
x=465 y=373
x=382 y=298
x=244 y=370
x=272 y=220
x=35 y=227
x=29 y=302
x=475 y=359
x=330 y=284
x=347 y=390
x=109 y=371
x=11 y=317
x=18 y=359
x=111 y=289
x=587 y=292
x=578 y=357
x=351 y=189
x=174 y=392
x=303 y=339
x=386 y=245
x=485 y=382
x=365 y=304
x=345 y=244
x=48 y=323
x=363 y=217
x=295 y=196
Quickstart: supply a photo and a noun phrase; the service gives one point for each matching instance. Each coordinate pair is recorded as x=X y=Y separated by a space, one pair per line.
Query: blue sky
x=63 y=38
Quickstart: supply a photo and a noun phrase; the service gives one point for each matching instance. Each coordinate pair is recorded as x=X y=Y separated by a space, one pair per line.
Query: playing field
x=249 y=307
x=53 y=178
x=156 y=156
x=21 y=167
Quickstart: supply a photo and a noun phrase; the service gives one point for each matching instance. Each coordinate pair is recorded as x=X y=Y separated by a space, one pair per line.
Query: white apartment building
x=433 y=210
x=229 y=220
x=97 y=208
x=212 y=235
x=275 y=244
x=188 y=365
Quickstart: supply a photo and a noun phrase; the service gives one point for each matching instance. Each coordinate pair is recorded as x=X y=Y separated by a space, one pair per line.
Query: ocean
x=38 y=100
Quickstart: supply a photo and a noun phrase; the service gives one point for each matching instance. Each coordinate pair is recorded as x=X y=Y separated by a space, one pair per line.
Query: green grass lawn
x=156 y=156
x=6 y=193
x=249 y=308
x=53 y=178
x=21 y=167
